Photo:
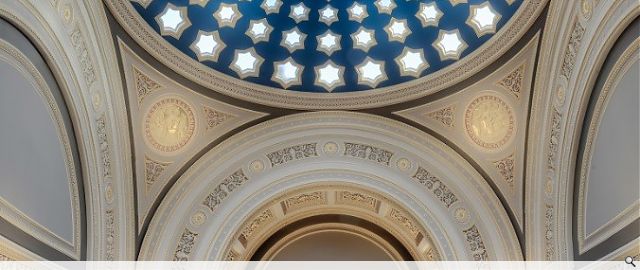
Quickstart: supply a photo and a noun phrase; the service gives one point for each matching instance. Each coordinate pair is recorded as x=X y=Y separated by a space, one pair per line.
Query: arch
x=424 y=177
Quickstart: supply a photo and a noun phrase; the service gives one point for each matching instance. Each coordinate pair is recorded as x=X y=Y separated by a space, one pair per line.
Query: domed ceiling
x=327 y=46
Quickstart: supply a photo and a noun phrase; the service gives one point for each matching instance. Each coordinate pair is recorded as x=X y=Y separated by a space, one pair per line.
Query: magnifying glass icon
x=629 y=260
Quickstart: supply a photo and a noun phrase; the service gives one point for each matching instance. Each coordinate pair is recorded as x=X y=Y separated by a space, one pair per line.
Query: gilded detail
x=169 y=125
x=296 y=152
x=369 y=152
x=489 y=122
x=434 y=184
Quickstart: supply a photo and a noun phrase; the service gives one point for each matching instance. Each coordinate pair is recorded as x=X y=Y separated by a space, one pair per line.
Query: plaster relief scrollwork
x=105 y=152
x=144 y=85
x=248 y=232
x=185 y=245
x=296 y=152
x=214 y=117
x=446 y=115
x=505 y=168
x=476 y=245
x=404 y=221
x=77 y=40
x=571 y=52
x=548 y=232
x=368 y=152
x=358 y=199
x=303 y=200
x=153 y=169
x=110 y=235
x=554 y=138
x=221 y=191
x=514 y=81
x=434 y=184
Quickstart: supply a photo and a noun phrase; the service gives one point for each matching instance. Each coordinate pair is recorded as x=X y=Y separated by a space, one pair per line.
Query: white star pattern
x=357 y=12
x=449 y=44
x=328 y=15
x=293 y=39
x=208 y=45
x=364 y=39
x=398 y=30
x=329 y=75
x=227 y=15
x=371 y=72
x=411 y=62
x=385 y=6
x=259 y=30
x=429 y=14
x=329 y=42
x=271 y=6
x=173 y=21
x=483 y=19
x=287 y=73
x=247 y=63
x=299 y=13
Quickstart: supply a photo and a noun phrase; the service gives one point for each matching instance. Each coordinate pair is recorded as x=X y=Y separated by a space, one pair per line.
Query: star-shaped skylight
x=357 y=12
x=449 y=44
x=329 y=75
x=429 y=14
x=371 y=72
x=398 y=30
x=227 y=15
x=259 y=30
x=329 y=42
x=385 y=6
x=411 y=62
x=483 y=19
x=173 y=20
x=287 y=73
x=328 y=15
x=293 y=39
x=247 y=63
x=208 y=45
x=299 y=12
x=271 y=6
x=364 y=39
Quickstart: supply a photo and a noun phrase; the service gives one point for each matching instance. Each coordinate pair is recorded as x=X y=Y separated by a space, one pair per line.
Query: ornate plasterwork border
x=557 y=112
x=225 y=84
x=332 y=198
x=20 y=62
x=241 y=151
x=74 y=39
x=588 y=241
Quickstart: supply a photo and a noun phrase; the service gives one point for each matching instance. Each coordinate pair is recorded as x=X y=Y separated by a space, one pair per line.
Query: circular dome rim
x=205 y=76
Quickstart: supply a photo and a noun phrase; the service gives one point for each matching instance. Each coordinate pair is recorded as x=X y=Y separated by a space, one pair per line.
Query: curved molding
x=336 y=198
x=464 y=217
x=225 y=84
x=74 y=39
x=10 y=251
x=579 y=34
x=14 y=57
x=588 y=241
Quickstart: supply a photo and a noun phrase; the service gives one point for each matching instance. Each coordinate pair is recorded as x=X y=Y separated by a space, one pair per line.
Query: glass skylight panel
x=328 y=42
x=357 y=12
x=227 y=15
x=429 y=14
x=364 y=39
x=329 y=75
x=371 y=72
x=483 y=19
x=299 y=13
x=328 y=15
x=208 y=45
x=398 y=30
x=287 y=73
x=293 y=39
x=247 y=63
x=449 y=44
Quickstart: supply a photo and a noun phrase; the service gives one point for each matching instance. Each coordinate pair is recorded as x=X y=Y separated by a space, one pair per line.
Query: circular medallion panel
x=489 y=121
x=169 y=124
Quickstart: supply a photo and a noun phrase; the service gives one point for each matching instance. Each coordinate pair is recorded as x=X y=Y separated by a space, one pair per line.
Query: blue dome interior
x=421 y=37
